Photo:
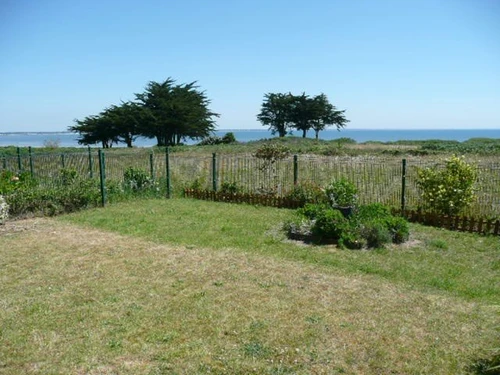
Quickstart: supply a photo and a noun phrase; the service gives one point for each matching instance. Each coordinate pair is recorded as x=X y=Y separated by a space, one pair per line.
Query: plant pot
x=346 y=211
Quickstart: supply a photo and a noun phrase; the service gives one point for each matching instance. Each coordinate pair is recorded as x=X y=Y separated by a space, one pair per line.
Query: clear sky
x=389 y=63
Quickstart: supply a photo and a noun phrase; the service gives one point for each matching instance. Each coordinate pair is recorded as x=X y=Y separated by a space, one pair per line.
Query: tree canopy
x=286 y=112
x=275 y=112
x=166 y=111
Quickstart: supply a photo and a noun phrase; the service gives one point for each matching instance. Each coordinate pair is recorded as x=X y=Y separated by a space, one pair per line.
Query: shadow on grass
x=487 y=366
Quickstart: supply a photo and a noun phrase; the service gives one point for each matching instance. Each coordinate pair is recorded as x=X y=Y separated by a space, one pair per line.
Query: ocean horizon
x=68 y=139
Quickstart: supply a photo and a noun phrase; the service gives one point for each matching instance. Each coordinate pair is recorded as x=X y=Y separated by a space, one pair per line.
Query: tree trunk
x=317 y=134
x=304 y=131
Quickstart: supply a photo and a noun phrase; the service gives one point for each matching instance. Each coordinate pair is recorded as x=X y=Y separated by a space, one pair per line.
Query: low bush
x=312 y=211
x=10 y=181
x=376 y=234
x=371 y=226
x=329 y=225
x=136 y=179
x=68 y=176
x=54 y=200
x=306 y=193
x=211 y=140
x=342 y=193
x=450 y=190
x=230 y=188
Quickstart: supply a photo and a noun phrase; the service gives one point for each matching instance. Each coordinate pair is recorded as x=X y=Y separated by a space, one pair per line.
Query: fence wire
x=378 y=179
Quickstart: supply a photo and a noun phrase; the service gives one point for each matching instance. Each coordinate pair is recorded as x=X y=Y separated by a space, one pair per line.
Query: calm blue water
x=360 y=135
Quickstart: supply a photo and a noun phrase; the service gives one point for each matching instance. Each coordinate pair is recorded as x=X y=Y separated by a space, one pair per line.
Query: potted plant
x=342 y=195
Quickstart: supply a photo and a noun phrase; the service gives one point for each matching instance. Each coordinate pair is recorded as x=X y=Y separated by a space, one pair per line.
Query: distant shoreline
x=70 y=139
x=261 y=130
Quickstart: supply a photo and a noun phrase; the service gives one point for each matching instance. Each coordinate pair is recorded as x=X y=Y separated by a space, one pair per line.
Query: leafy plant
x=306 y=193
x=137 y=179
x=211 y=140
x=370 y=226
x=376 y=234
x=398 y=228
x=68 y=176
x=230 y=188
x=298 y=228
x=54 y=200
x=228 y=138
x=329 y=225
x=450 y=190
x=272 y=152
x=342 y=193
x=10 y=181
x=312 y=211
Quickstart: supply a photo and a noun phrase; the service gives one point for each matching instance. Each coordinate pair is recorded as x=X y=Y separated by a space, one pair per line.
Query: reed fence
x=385 y=180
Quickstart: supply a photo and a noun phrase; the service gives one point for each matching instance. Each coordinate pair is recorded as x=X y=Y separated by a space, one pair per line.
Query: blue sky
x=389 y=64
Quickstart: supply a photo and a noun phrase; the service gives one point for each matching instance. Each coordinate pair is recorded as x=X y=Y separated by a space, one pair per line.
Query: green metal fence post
x=403 y=186
x=295 y=169
x=91 y=167
x=31 y=162
x=102 y=174
x=63 y=161
x=167 y=171
x=151 y=165
x=19 y=165
x=214 y=171
x=4 y=162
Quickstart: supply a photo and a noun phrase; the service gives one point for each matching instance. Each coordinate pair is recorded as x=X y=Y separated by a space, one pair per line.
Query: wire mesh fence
x=378 y=179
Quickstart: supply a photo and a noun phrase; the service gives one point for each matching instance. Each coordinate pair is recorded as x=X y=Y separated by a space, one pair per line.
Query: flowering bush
x=4 y=210
x=449 y=190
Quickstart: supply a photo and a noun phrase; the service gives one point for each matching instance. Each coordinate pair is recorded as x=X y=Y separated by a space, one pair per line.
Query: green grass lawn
x=191 y=287
x=460 y=264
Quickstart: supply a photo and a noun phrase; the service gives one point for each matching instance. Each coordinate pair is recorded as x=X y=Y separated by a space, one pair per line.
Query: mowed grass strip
x=460 y=264
x=75 y=300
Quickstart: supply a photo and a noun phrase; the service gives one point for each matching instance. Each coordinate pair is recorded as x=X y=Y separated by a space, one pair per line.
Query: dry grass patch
x=83 y=301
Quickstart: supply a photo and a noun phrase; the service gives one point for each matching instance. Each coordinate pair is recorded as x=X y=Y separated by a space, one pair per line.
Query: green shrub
x=372 y=211
x=68 y=176
x=306 y=193
x=329 y=225
x=370 y=226
x=228 y=138
x=10 y=181
x=398 y=228
x=450 y=190
x=376 y=234
x=342 y=193
x=298 y=228
x=54 y=200
x=211 y=140
x=272 y=152
x=136 y=179
x=198 y=184
x=230 y=188
x=312 y=211
x=351 y=237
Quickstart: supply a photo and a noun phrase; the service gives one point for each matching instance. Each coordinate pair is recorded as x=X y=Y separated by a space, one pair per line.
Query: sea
x=66 y=139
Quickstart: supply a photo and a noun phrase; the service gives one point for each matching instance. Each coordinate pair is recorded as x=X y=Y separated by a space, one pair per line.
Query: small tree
x=450 y=190
x=275 y=112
